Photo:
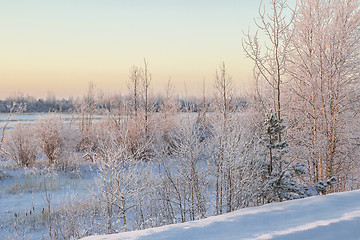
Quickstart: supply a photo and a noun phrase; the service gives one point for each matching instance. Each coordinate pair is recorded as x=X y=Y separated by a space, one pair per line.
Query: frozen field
x=24 y=195
x=27 y=118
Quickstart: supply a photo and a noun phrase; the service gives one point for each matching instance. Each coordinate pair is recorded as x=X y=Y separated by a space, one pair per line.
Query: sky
x=60 y=46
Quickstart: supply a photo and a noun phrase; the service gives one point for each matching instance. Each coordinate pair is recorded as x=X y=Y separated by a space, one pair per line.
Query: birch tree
x=119 y=179
x=184 y=182
x=270 y=63
x=146 y=80
x=325 y=73
x=225 y=147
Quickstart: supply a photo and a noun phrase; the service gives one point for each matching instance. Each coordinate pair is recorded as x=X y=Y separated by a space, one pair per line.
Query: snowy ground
x=22 y=195
x=335 y=216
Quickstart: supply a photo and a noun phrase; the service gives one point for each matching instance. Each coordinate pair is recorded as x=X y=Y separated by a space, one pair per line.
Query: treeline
x=33 y=105
x=102 y=104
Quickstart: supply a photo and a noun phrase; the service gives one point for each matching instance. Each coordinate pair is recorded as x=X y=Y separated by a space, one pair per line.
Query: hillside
x=334 y=216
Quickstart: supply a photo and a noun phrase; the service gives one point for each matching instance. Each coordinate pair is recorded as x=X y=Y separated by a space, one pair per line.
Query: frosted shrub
x=137 y=143
x=54 y=138
x=74 y=219
x=87 y=142
x=21 y=145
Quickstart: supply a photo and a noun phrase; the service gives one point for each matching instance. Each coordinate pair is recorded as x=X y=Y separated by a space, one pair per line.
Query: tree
x=85 y=111
x=183 y=178
x=146 y=79
x=275 y=128
x=169 y=103
x=88 y=107
x=325 y=72
x=134 y=86
x=279 y=179
x=225 y=148
x=271 y=65
x=118 y=181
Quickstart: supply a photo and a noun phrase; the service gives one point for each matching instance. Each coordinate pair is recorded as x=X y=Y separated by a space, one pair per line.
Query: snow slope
x=334 y=216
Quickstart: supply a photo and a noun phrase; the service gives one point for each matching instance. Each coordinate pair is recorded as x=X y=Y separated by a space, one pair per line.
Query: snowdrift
x=334 y=216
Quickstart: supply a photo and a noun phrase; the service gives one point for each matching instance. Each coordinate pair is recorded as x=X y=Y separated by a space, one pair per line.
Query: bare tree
x=184 y=181
x=270 y=65
x=119 y=177
x=169 y=104
x=135 y=87
x=88 y=107
x=146 y=78
x=224 y=167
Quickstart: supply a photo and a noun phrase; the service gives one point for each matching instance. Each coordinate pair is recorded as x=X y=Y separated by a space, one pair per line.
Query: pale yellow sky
x=60 y=46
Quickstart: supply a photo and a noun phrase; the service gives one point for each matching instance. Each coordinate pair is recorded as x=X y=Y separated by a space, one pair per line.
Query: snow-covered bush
x=55 y=138
x=183 y=178
x=21 y=145
x=120 y=179
x=76 y=219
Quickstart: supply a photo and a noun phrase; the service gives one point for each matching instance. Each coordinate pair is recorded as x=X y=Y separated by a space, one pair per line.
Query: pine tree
x=281 y=184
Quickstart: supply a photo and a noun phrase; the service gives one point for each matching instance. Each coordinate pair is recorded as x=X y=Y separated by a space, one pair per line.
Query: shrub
x=54 y=138
x=21 y=145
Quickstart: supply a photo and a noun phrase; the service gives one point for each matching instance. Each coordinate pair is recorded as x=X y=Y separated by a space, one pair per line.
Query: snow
x=69 y=188
x=334 y=216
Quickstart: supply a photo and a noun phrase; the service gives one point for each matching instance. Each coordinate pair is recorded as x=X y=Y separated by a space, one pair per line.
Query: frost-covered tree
x=87 y=107
x=325 y=72
x=280 y=184
x=169 y=105
x=146 y=80
x=184 y=192
x=118 y=180
x=275 y=128
x=134 y=85
x=225 y=147
x=283 y=174
x=84 y=115
x=270 y=63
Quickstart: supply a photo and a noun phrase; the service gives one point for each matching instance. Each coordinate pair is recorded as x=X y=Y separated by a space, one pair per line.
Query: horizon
x=61 y=46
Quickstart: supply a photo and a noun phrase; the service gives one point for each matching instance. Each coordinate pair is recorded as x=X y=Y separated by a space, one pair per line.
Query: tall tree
x=146 y=79
x=225 y=147
x=270 y=65
x=325 y=73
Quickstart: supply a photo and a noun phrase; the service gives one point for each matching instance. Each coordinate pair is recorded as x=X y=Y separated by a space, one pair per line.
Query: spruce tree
x=281 y=184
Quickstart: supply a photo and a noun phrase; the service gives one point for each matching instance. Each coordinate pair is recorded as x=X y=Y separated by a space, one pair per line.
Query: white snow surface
x=334 y=216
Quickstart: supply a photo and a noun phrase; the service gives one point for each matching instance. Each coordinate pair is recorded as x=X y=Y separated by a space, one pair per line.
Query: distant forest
x=33 y=105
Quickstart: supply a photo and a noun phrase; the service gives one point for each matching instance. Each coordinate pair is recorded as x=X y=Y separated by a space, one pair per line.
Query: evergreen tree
x=281 y=184
x=281 y=176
